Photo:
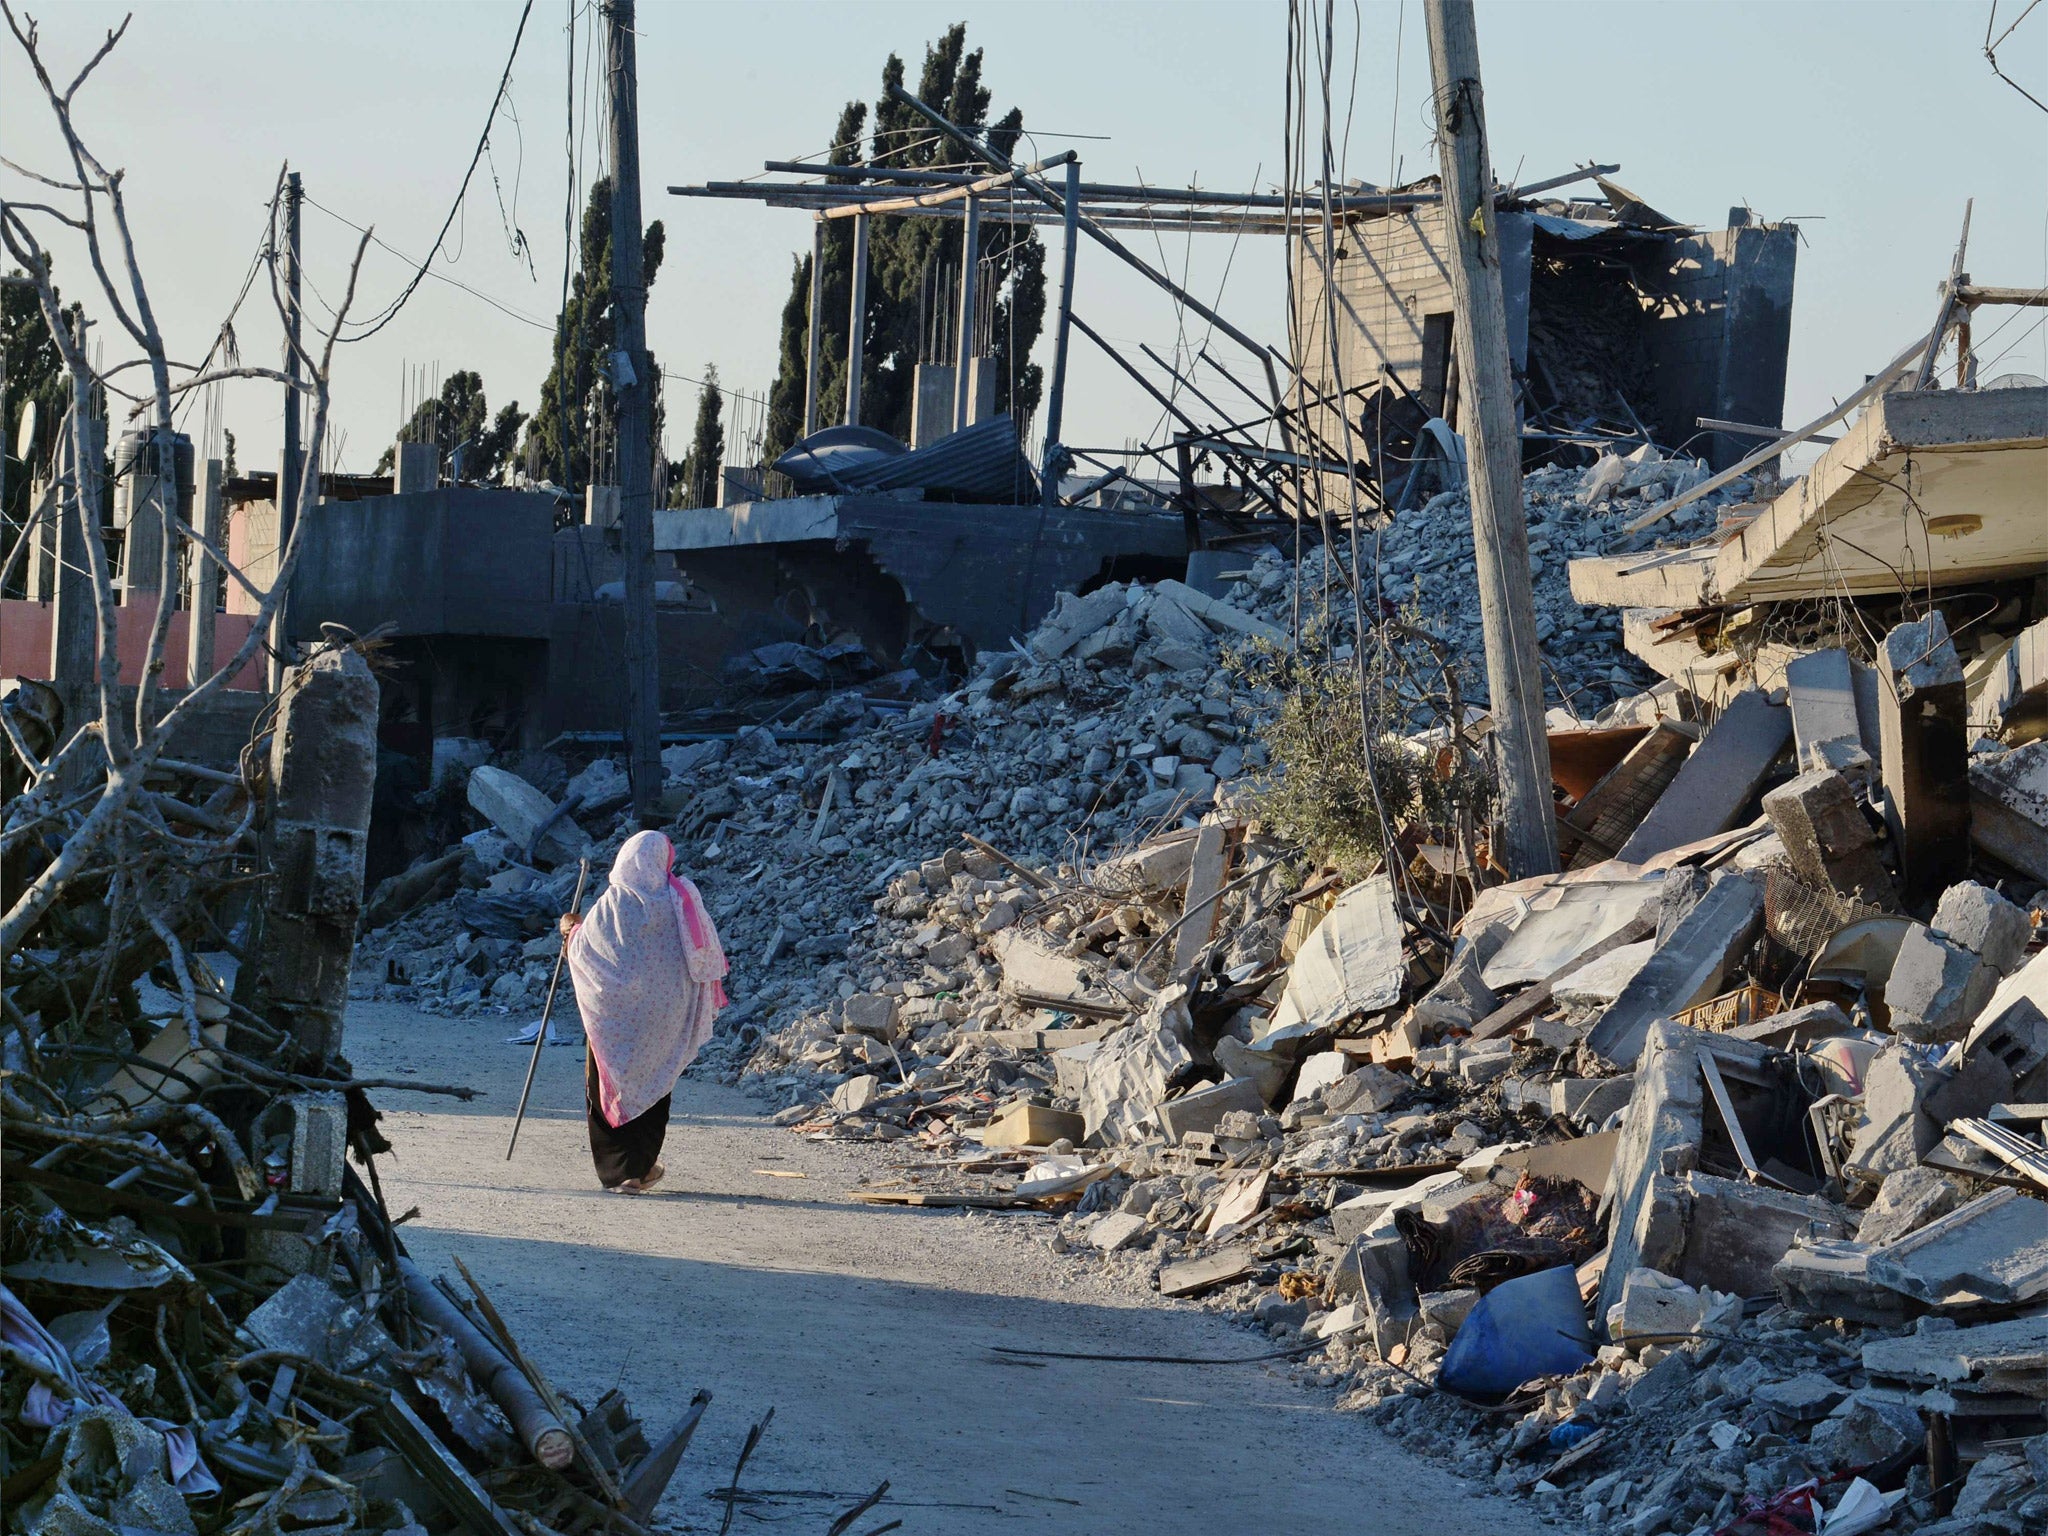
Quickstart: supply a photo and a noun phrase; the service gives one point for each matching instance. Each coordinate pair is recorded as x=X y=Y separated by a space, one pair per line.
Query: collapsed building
x=1700 y=1187
x=1622 y=324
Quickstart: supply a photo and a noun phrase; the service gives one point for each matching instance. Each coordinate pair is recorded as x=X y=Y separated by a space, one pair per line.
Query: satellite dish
x=25 y=434
x=2015 y=381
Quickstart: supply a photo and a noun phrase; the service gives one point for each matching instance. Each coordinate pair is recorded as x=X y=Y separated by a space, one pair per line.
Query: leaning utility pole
x=633 y=389
x=289 y=470
x=1526 y=836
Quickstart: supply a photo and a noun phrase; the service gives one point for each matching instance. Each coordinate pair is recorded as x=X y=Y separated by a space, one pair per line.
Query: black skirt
x=628 y=1151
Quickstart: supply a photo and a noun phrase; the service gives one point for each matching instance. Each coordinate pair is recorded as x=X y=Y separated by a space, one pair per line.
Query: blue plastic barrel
x=1529 y=1327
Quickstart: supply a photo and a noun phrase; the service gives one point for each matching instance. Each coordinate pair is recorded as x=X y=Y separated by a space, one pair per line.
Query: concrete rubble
x=210 y=1320
x=1036 y=941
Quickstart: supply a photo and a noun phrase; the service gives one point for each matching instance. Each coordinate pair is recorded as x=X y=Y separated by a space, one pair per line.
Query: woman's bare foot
x=653 y=1176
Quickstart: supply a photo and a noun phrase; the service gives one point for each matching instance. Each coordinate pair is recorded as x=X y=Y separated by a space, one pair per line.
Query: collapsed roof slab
x=991 y=572
x=1931 y=488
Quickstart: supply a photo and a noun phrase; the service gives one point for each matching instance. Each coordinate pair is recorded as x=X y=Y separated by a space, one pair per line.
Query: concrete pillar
x=142 y=467
x=323 y=766
x=981 y=389
x=931 y=407
x=42 y=549
x=970 y=269
x=601 y=506
x=415 y=467
x=74 y=620
x=1924 y=757
x=202 y=576
x=738 y=483
x=857 y=321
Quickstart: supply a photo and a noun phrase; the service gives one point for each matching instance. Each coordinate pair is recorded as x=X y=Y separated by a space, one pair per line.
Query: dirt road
x=867 y=1330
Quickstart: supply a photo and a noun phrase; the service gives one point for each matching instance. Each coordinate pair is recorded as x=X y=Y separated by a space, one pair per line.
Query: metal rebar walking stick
x=540 y=1035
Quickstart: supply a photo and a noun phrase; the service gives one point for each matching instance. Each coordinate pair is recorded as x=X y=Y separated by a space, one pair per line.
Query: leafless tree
x=100 y=809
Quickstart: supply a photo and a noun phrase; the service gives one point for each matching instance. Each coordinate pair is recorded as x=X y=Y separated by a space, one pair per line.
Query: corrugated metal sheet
x=984 y=462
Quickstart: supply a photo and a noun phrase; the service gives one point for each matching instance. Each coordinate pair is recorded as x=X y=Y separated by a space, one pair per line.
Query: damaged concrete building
x=1622 y=323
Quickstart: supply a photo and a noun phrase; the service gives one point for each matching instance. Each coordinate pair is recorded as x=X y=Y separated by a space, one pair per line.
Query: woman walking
x=649 y=982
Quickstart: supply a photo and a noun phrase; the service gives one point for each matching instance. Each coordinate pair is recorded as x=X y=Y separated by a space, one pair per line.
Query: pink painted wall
x=25 y=642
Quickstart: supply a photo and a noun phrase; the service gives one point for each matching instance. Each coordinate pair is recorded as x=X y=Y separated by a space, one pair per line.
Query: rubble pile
x=1425 y=566
x=207 y=1315
x=1696 y=1188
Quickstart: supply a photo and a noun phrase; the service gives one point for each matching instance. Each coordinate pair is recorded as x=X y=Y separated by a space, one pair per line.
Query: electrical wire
x=389 y=313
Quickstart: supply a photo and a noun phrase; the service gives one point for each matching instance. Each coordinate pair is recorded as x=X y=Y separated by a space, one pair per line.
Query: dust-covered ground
x=868 y=1331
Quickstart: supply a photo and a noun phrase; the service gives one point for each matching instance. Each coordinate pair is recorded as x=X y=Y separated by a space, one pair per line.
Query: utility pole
x=817 y=326
x=857 y=321
x=1526 y=839
x=633 y=389
x=289 y=470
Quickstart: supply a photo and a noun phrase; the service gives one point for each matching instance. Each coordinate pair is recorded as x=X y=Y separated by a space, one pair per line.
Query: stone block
x=1369 y=1090
x=1831 y=846
x=1267 y=1069
x=1866 y=1428
x=1802 y=1398
x=1204 y=1109
x=518 y=810
x=1714 y=788
x=1895 y=1130
x=1116 y=1231
x=856 y=1094
x=1737 y=1232
x=1908 y=1199
x=1826 y=729
x=1653 y=1306
x=1924 y=755
x=1319 y=1072
x=1667 y=1380
x=1985 y=923
x=1354 y=1217
x=1076 y=618
x=1936 y=989
x=1831 y=1278
x=870 y=1013
x=1447 y=1309
x=1375 y=1269
x=1661 y=1130
x=2009 y=808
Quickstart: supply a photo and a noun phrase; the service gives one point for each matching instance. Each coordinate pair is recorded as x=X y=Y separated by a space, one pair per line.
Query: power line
x=424 y=270
x=390 y=312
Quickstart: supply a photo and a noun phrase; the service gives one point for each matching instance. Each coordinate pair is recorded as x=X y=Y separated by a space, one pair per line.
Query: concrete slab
x=1687 y=969
x=1714 y=788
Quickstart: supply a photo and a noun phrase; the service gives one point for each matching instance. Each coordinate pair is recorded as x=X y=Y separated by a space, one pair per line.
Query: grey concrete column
x=857 y=320
x=323 y=765
x=202 y=577
x=970 y=267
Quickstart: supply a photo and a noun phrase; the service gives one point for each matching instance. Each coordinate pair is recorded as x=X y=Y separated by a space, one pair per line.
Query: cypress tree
x=559 y=433
x=899 y=252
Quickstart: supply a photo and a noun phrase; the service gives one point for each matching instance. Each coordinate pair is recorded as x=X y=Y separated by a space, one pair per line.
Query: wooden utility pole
x=633 y=389
x=289 y=470
x=1526 y=837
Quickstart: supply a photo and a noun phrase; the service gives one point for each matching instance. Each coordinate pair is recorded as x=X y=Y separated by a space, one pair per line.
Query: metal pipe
x=1095 y=232
x=1056 y=398
x=968 y=190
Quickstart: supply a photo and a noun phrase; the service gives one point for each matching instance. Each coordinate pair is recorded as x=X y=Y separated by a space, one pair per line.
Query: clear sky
x=1871 y=122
